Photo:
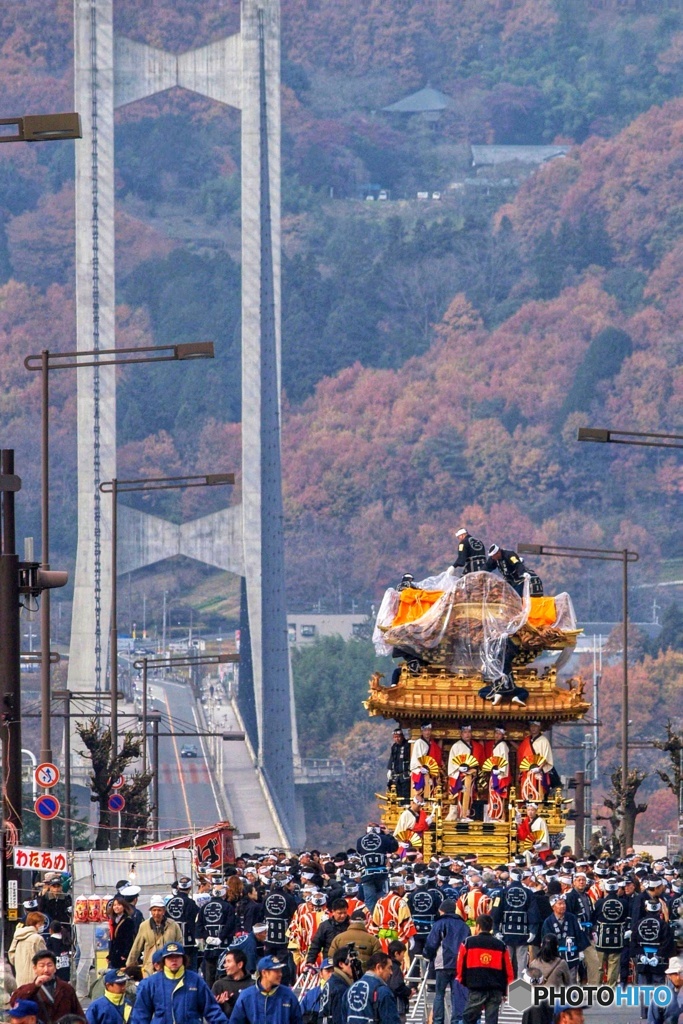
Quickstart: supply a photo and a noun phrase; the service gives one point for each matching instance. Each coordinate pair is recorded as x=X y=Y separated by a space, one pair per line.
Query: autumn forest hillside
x=437 y=357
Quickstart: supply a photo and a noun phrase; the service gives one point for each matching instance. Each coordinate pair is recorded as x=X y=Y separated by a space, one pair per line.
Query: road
x=187 y=795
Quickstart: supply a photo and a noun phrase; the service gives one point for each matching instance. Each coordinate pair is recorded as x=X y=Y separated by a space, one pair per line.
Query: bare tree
x=107 y=767
x=623 y=808
x=419 y=292
x=673 y=745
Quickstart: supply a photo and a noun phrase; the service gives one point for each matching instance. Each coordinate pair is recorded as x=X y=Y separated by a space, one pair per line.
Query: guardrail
x=309 y=770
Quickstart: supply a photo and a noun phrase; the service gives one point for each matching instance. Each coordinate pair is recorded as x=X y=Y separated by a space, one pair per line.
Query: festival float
x=477 y=654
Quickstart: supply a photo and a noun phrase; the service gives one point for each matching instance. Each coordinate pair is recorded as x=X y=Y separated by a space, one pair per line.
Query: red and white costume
x=355 y=904
x=302 y=928
x=498 y=764
x=464 y=761
x=419 y=772
x=391 y=919
x=410 y=828
x=535 y=760
x=471 y=904
x=534 y=835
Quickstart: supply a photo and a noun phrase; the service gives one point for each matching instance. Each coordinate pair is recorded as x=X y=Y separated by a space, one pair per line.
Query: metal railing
x=419 y=1009
x=318 y=769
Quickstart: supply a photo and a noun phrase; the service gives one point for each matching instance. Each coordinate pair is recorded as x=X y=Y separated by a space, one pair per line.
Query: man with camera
x=358 y=938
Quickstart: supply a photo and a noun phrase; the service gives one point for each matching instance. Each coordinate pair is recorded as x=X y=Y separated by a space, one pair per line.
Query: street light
x=44 y=362
x=116 y=487
x=42 y=128
x=602 y=555
x=632 y=437
x=37 y=128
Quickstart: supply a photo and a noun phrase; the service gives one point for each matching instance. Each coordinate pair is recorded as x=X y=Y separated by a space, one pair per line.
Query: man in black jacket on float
x=471 y=555
x=398 y=768
x=514 y=571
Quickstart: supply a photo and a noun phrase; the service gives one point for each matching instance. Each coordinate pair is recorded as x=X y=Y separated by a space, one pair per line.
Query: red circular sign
x=118 y=783
x=47 y=806
x=46 y=775
x=116 y=803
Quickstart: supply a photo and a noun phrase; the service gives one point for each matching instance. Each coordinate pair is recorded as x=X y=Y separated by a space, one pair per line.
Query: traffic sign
x=116 y=803
x=121 y=781
x=47 y=806
x=46 y=775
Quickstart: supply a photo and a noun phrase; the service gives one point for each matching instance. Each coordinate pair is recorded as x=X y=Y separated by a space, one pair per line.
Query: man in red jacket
x=485 y=969
x=53 y=996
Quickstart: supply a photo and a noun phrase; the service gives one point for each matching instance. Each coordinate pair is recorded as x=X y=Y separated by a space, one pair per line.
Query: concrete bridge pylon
x=241 y=71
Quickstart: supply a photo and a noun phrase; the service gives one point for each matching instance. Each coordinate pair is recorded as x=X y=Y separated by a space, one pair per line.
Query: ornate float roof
x=449 y=698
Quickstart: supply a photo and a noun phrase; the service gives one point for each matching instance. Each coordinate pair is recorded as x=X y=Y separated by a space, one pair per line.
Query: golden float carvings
x=434 y=692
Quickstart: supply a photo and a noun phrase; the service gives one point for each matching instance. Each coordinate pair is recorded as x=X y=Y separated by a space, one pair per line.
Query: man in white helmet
x=514 y=571
x=471 y=555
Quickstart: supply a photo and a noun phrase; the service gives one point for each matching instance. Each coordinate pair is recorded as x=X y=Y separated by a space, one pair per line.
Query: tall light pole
x=602 y=555
x=44 y=362
x=116 y=487
x=42 y=128
x=639 y=439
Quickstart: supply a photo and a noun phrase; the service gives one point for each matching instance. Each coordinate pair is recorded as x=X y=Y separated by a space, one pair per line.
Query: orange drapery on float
x=413 y=603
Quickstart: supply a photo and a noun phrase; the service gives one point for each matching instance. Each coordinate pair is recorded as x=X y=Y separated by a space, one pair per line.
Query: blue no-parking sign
x=116 y=803
x=47 y=806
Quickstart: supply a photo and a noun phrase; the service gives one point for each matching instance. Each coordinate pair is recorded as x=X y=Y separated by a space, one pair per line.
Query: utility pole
x=10 y=687
x=67 y=770
x=10 y=647
x=31 y=580
x=45 y=711
x=154 y=718
x=144 y=715
x=579 y=784
x=580 y=806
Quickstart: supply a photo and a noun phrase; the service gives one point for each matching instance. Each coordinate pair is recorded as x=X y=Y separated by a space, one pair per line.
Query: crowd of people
x=344 y=940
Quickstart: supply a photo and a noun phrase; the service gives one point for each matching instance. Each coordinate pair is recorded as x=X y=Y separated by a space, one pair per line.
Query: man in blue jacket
x=442 y=947
x=268 y=999
x=571 y=937
x=175 y=995
x=370 y=1000
x=115 y=1006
